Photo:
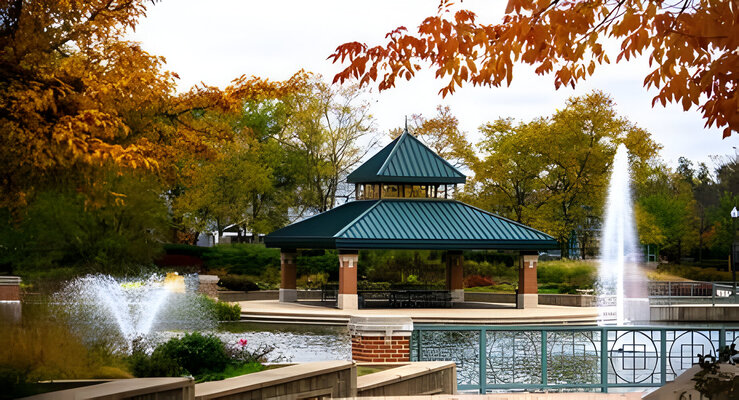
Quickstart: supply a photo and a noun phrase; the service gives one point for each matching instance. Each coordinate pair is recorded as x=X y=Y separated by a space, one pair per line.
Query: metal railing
x=669 y=293
x=506 y=358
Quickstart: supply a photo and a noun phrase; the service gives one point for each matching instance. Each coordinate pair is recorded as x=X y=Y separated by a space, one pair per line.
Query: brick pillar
x=381 y=338
x=288 y=274
x=10 y=299
x=455 y=275
x=528 y=289
x=347 y=297
x=208 y=285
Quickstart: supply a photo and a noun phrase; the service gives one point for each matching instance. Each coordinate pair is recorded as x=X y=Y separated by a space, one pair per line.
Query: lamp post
x=734 y=215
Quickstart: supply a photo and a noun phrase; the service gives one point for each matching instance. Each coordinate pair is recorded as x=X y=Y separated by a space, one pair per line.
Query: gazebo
x=403 y=201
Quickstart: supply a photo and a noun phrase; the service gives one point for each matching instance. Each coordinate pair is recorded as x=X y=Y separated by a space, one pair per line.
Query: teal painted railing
x=595 y=358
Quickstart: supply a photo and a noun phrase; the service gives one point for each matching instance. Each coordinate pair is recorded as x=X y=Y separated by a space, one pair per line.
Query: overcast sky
x=219 y=40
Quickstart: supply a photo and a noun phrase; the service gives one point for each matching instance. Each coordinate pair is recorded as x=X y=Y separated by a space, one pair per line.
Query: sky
x=219 y=40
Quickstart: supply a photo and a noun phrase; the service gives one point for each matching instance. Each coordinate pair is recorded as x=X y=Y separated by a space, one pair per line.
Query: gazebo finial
x=406 y=123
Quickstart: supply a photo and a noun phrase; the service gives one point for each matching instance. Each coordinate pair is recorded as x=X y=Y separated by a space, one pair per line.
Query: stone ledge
x=380 y=325
x=123 y=388
x=402 y=372
x=271 y=377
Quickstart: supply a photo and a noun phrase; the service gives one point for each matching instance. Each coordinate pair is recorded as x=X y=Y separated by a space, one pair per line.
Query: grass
x=231 y=371
x=499 y=288
x=361 y=370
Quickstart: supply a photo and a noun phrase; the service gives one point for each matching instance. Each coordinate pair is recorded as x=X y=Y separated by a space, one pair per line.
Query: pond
x=291 y=343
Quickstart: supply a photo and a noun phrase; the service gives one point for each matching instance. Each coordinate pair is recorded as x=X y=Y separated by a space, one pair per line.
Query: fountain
x=121 y=310
x=622 y=287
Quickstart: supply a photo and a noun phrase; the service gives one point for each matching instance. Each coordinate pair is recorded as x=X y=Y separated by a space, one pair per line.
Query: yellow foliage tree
x=75 y=95
x=692 y=46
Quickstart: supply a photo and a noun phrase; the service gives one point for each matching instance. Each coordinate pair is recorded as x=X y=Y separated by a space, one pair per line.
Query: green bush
x=498 y=271
x=227 y=311
x=238 y=282
x=317 y=262
x=313 y=281
x=185 y=249
x=245 y=259
x=491 y=257
x=231 y=371
x=573 y=274
x=193 y=354
x=695 y=273
x=369 y=285
x=221 y=310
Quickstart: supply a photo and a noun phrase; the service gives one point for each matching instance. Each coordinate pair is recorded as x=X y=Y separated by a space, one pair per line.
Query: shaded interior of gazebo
x=403 y=201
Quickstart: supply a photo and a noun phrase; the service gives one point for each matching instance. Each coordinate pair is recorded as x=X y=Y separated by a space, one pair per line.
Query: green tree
x=552 y=173
x=119 y=225
x=328 y=130
x=219 y=193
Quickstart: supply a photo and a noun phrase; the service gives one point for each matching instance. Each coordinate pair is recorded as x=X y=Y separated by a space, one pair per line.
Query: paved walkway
x=314 y=312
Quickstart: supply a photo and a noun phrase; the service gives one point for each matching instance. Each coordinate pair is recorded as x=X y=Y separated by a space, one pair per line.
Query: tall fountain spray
x=622 y=288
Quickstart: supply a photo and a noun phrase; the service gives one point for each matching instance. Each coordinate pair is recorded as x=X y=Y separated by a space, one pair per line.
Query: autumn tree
x=691 y=46
x=330 y=128
x=440 y=133
x=552 y=172
x=75 y=95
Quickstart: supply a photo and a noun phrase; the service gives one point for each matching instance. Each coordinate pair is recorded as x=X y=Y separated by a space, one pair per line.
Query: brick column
x=208 y=285
x=455 y=275
x=10 y=299
x=288 y=273
x=528 y=289
x=381 y=338
x=347 y=297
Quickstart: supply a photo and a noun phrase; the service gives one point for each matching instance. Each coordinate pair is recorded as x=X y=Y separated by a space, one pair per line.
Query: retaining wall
x=569 y=300
x=419 y=378
x=695 y=313
x=232 y=295
x=307 y=380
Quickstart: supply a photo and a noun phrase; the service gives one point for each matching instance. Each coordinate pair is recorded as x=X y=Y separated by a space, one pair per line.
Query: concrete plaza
x=316 y=312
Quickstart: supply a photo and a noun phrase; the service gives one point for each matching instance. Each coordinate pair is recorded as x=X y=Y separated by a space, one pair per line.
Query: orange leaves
x=566 y=37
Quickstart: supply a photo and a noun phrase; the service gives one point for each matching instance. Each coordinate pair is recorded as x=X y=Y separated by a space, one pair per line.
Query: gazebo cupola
x=406 y=168
x=404 y=201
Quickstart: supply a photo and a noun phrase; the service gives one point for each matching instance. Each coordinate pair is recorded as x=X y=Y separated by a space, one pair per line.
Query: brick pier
x=381 y=338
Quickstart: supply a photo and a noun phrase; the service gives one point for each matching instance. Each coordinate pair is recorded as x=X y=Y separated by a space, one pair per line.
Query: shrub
x=246 y=259
x=221 y=310
x=314 y=281
x=227 y=311
x=575 y=274
x=318 y=262
x=237 y=282
x=495 y=271
x=185 y=249
x=477 y=280
x=369 y=285
x=194 y=353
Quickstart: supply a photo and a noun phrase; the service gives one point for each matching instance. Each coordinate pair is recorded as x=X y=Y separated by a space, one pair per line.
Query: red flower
x=242 y=342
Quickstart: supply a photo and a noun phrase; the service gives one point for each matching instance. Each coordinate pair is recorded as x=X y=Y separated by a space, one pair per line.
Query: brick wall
x=381 y=348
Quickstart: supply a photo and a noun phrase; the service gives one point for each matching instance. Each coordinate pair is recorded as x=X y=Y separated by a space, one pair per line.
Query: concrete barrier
x=301 y=381
x=695 y=313
x=233 y=295
x=569 y=300
x=418 y=378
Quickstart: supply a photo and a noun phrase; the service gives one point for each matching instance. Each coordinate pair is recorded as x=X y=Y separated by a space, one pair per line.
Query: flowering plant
x=240 y=352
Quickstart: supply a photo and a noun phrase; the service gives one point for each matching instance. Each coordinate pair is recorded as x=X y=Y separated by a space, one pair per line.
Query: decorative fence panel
x=501 y=358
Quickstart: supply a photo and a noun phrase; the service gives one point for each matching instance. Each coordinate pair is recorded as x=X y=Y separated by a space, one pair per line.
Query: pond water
x=291 y=343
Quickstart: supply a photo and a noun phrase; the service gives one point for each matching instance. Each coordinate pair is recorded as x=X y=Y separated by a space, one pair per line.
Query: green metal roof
x=406 y=160
x=409 y=224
